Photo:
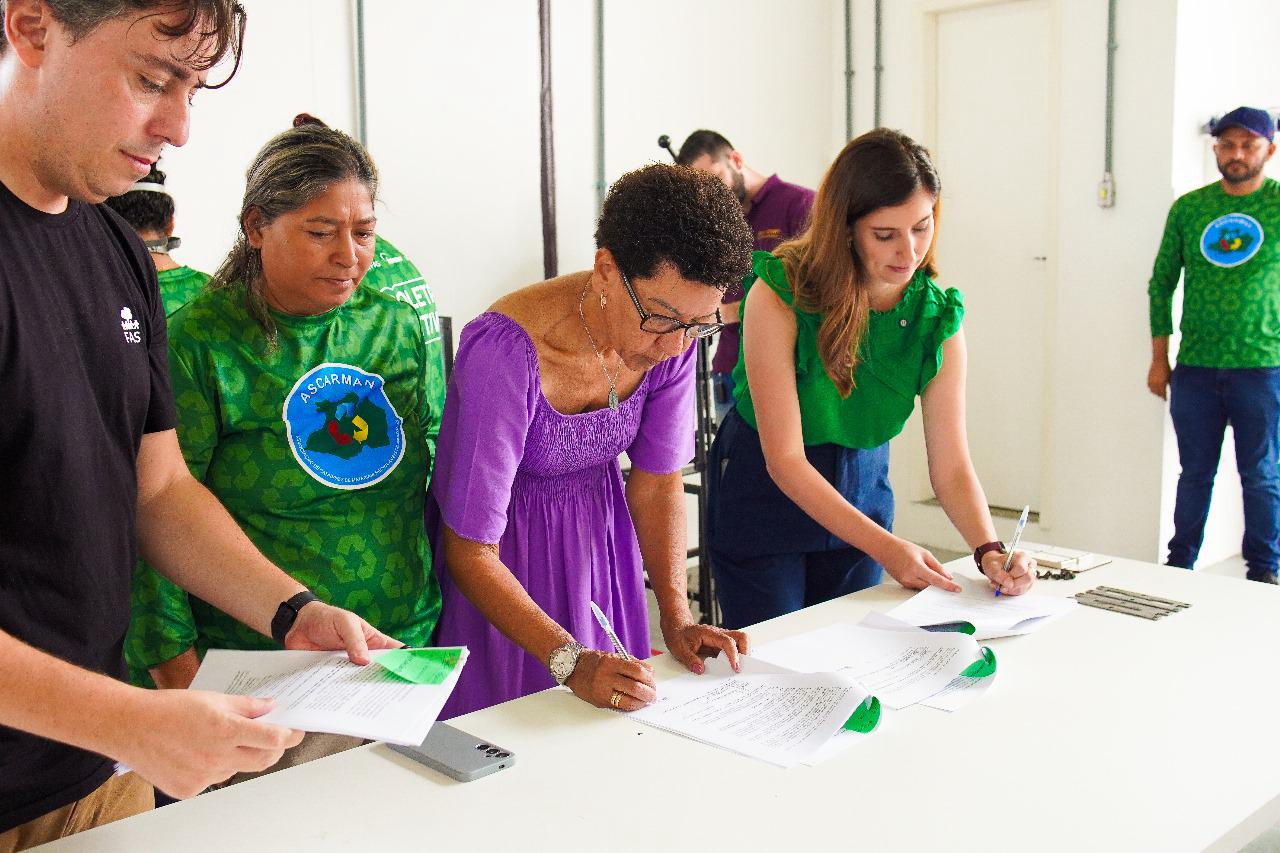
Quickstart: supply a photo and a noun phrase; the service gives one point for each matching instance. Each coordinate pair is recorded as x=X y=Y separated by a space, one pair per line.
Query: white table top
x=1101 y=732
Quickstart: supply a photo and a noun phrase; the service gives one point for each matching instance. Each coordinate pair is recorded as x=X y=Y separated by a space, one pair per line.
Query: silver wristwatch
x=563 y=660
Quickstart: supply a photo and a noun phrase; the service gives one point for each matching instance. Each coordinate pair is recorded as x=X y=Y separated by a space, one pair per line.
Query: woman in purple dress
x=532 y=521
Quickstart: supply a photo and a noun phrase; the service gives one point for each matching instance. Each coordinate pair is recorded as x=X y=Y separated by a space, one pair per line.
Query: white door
x=993 y=155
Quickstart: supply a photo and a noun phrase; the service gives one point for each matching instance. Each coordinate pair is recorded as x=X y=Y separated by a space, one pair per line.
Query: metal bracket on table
x=1131 y=603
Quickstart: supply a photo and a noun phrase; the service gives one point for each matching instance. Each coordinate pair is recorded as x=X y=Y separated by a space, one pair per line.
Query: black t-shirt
x=83 y=374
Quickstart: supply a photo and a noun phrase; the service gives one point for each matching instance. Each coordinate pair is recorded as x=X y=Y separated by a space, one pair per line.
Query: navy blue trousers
x=768 y=557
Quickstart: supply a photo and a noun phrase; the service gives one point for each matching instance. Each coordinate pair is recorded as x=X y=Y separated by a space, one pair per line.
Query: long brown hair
x=881 y=168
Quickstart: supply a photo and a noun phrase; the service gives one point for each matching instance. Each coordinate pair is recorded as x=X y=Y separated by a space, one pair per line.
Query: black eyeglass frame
x=691 y=330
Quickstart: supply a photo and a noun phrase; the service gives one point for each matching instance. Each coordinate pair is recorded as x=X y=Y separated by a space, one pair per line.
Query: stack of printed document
x=765 y=711
x=397 y=698
x=801 y=699
x=900 y=664
x=978 y=608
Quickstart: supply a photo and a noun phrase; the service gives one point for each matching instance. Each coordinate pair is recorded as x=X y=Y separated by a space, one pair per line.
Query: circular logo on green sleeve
x=342 y=428
x=1231 y=240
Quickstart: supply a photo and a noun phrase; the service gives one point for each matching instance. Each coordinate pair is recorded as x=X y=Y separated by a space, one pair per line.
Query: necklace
x=613 y=385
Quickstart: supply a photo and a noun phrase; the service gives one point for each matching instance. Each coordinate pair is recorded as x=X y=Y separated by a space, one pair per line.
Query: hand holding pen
x=1014 y=575
x=616 y=681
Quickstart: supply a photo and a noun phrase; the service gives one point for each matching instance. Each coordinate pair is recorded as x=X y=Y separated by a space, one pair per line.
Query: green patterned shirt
x=319 y=452
x=394 y=274
x=179 y=286
x=1228 y=251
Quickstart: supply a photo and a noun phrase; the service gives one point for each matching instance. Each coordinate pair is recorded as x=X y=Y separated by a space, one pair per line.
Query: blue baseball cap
x=1256 y=121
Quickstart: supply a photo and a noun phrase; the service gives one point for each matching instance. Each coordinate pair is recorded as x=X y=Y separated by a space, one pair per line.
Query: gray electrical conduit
x=879 y=59
x=599 y=61
x=1107 y=189
x=848 y=69
x=550 y=261
x=362 y=116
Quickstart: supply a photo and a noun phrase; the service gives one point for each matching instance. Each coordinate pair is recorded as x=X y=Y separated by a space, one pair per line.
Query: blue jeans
x=1203 y=400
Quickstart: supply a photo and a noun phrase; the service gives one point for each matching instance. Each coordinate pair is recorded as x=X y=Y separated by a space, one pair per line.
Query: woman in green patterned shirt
x=303 y=405
x=846 y=331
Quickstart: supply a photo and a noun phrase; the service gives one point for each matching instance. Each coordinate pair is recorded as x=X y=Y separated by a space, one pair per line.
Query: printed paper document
x=991 y=616
x=962 y=689
x=325 y=692
x=900 y=668
x=764 y=712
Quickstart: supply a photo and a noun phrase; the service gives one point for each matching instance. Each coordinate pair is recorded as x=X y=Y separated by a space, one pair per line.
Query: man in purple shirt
x=775 y=210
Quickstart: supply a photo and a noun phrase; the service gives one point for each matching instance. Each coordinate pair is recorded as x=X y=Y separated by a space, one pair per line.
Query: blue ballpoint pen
x=608 y=629
x=1017 y=537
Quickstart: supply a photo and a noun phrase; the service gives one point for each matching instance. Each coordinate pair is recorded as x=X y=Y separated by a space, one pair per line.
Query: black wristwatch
x=983 y=549
x=287 y=614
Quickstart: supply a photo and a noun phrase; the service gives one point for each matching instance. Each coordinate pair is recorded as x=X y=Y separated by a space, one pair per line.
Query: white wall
x=453 y=119
x=453 y=126
x=297 y=58
x=1103 y=447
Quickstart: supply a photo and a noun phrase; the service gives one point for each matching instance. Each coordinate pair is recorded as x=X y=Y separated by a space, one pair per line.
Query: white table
x=1101 y=732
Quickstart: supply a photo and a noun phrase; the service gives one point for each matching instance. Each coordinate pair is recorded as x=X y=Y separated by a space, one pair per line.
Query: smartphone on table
x=458 y=755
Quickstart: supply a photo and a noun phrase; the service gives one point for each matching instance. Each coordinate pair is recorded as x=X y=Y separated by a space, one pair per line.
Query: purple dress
x=548 y=489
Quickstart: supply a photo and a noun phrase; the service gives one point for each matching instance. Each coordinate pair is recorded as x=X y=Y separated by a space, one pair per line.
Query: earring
x=602 y=299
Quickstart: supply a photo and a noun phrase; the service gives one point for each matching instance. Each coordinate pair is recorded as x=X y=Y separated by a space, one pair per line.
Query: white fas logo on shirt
x=130 y=326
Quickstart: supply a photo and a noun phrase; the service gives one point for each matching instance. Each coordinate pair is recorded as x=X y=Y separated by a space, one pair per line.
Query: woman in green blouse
x=846 y=331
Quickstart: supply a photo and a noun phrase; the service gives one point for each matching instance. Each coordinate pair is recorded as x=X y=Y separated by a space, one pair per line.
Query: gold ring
x=615 y=698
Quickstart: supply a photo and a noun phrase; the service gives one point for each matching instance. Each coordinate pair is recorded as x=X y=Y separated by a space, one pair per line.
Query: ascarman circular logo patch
x=342 y=428
x=1231 y=240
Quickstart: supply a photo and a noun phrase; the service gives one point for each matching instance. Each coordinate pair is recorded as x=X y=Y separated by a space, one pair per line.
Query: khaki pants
x=118 y=797
x=314 y=745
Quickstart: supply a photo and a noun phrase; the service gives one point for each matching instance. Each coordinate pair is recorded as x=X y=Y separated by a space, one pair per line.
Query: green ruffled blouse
x=900 y=353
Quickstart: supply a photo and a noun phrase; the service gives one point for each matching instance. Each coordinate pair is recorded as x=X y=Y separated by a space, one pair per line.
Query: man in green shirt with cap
x=1223 y=239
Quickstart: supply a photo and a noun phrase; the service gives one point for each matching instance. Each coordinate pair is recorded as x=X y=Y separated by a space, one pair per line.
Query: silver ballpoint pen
x=608 y=629
x=1017 y=537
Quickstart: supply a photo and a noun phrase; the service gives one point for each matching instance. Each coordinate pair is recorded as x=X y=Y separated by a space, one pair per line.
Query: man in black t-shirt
x=91 y=469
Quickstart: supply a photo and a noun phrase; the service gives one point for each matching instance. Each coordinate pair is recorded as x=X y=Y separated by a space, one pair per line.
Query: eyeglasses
x=660 y=324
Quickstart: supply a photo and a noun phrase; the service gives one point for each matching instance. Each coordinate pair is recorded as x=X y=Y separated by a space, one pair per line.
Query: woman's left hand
x=1021 y=574
x=686 y=639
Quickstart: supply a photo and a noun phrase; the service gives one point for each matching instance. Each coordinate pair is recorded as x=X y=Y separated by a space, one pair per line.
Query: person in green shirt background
x=304 y=405
x=1222 y=239
x=395 y=275
x=148 y=207
x=846 y=331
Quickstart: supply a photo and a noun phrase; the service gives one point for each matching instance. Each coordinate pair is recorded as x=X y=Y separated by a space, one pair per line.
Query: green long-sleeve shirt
x=1227 y=249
